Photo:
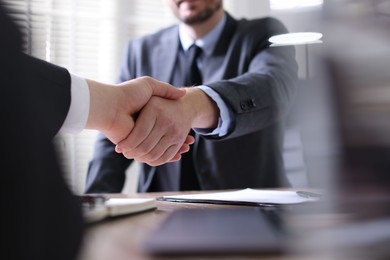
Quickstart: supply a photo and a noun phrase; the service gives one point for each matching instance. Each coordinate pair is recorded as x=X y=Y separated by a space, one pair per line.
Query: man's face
x=194 y=11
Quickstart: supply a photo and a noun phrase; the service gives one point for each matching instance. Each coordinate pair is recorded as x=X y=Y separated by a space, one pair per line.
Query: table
x=120 y=238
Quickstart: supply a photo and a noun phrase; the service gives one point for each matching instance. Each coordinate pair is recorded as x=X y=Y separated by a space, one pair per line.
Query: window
x=88 y=38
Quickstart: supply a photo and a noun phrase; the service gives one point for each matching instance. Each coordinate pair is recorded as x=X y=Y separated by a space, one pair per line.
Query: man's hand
x=163 y=126
x=113 y=108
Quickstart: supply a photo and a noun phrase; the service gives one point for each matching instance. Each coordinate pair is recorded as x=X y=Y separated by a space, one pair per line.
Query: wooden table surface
x=121 y=238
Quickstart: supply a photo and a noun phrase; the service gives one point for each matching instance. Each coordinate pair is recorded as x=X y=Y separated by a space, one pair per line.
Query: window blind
x=88 y=38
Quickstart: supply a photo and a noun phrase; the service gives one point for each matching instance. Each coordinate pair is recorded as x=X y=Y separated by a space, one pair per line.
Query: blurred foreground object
x=352 y=101
x=357 y=56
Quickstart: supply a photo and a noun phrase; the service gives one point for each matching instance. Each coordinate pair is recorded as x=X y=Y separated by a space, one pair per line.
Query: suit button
x=252 y=103
x=243 y=106
x=247 y=104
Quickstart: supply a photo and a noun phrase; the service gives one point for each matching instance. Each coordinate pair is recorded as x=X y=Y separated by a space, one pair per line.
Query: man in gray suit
x=236 y=113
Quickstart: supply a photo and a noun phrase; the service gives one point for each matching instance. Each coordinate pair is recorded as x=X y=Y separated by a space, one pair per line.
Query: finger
x=176 y=158
x=120 y=130
x=155 y=143
x=184 y=148
x=164 y=135
x=166 y=90
x=141 y=131
x=163 y=150
x=167 y=156
x=160 y=155
x=151 y=148
x=189 y=139
x=170 y=155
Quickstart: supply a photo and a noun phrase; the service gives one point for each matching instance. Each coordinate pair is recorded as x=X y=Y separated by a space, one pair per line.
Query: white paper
x=248 y=195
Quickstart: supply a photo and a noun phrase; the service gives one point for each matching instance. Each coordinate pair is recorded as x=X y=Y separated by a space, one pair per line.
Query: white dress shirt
x=78 y=112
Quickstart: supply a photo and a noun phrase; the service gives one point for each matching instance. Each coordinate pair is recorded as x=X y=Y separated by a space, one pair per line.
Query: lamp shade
x=296 y=38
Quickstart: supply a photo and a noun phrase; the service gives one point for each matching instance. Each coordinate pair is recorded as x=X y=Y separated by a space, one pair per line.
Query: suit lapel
x=166 y=55
x=226 y=37
x=217 y=66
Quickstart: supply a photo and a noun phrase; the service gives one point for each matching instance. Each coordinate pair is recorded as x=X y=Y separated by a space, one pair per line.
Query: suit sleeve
x=49 y=87
x=260 y=84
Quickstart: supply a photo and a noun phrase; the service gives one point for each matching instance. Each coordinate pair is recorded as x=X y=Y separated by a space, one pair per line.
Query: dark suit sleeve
x=40 y=217
x=48 y=86
x=260 y=81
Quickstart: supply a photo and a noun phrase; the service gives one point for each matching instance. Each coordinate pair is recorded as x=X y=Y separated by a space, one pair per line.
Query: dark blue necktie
x=188 y=177
x=193 y=75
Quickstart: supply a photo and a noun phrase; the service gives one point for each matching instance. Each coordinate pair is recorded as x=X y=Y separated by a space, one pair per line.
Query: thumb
x=121 y=129
x=166 y=90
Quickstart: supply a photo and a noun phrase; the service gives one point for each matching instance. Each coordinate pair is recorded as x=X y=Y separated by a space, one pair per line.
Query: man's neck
x=199 y=30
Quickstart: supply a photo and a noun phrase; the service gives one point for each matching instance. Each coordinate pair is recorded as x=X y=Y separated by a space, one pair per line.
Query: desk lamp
x=297 y=38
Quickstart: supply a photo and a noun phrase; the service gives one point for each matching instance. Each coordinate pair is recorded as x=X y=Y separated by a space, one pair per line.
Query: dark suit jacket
x=40 y=218
x=256 y=82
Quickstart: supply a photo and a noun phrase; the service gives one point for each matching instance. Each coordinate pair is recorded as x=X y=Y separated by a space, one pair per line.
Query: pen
x=308 y=194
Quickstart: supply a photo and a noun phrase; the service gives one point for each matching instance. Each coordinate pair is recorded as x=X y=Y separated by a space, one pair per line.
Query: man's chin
x=186 y=5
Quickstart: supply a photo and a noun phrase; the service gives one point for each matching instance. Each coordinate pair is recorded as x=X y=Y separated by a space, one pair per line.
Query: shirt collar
x=207 y=43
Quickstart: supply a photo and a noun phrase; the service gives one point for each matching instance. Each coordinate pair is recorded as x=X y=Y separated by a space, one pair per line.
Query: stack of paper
x=245 y=197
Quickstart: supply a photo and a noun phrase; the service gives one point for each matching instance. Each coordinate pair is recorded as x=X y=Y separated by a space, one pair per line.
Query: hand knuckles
x=128 y=155
x=149 y=157
x=143 y=150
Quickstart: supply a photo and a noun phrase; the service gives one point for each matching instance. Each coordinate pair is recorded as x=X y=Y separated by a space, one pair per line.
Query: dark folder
x=241 y=230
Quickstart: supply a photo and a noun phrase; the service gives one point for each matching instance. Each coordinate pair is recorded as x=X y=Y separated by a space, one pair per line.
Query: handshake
x=149 y=120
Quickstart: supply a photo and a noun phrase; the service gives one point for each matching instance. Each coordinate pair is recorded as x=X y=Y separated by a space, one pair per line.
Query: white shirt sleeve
x=78 y=112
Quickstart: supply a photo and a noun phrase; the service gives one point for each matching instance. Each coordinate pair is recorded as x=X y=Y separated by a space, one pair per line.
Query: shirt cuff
x=78 y=112
x=224 y=120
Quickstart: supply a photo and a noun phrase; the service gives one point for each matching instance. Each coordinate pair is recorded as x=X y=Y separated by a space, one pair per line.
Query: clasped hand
x=129 y=115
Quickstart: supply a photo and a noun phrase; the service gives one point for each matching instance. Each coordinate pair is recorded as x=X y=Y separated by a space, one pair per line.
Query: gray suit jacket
x=256 y=81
